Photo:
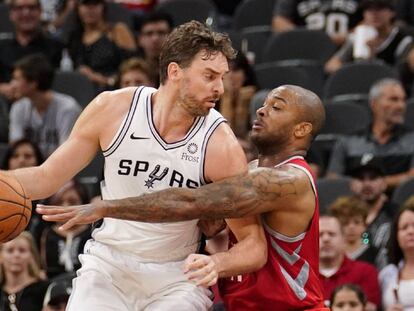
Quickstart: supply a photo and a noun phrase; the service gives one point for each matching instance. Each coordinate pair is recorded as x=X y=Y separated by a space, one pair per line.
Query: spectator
x=337 y=269
x=135 y=72
x=28 y=39
x=240 y=86
x=348 y=297
x=337 y=18
x=41 y=115
x=388 y=45
x=385 y=139
x=368 y=184
x=22 y=153
x=151 y=35
x=97 y=47
x=397 y=279
x=22 y=287
x=60 y=249
x=352 y=213
x=58 y=292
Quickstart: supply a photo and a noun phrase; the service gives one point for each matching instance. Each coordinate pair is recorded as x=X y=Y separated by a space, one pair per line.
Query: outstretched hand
x=71 y=215
x=201 y=269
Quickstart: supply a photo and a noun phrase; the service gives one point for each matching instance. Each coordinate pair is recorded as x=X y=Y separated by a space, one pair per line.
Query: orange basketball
x=15 y=208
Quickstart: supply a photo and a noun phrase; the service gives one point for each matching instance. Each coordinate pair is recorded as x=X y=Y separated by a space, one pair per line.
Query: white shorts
x=109 y=281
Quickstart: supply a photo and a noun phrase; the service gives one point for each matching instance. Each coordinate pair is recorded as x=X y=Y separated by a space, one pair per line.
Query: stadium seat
x=345 y=118
x=183 y=11
x=253 y=39
x=76 y=85
x=4 y=120
x=331 y=189
x=253 y=13
x=3 y=150
x=356 y=78
x=403 y=192
x=409 y=114
x=6 y=26
x=301 y=44
x=271 y=75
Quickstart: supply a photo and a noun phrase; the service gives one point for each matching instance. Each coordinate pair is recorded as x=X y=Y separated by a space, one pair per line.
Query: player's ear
x=174 y=71
x=303 y=129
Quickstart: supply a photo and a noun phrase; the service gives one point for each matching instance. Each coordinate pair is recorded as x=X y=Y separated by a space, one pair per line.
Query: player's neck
x=171 y=121
x=268 y=160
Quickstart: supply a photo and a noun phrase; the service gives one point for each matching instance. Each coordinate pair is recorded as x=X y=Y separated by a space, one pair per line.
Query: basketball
x=15 y=208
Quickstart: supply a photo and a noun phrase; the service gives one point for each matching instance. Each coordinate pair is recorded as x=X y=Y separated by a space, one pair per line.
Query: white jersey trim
x=123 y=129
x=204 y=148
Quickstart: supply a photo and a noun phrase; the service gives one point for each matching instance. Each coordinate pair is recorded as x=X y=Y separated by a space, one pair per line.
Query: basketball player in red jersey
x=281 y=190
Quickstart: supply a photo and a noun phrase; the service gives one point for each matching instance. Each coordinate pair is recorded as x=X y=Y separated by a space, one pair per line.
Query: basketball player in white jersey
x=152 y=140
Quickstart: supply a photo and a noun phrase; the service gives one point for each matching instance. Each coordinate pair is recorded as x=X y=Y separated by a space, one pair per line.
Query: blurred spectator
x=336 y=268
x=397 y=279
x=135 y=72
x=388 y=44
x=28 y=39
x=58 y=292
x=352 y=213
x=385 y=139
x=239 y=87
x=23 y=153
x=337 y=18
x=22 y=287
x=348 y=297
x=41 y=115
x=60 y=249
x=154 y=29
x=97 y=47
x=368 y=184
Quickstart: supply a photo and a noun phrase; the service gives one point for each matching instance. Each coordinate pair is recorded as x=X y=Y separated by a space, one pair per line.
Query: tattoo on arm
x=247 y=194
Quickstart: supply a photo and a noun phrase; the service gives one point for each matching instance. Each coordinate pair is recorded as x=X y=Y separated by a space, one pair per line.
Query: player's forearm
x=35 y=182
x=246 y=256
x=178 y=204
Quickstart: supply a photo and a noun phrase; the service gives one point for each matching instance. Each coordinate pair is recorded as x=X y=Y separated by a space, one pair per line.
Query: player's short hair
x=185 y=41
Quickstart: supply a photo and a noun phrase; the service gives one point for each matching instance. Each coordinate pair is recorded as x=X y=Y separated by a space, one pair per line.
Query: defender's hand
x=201 y=269
x=71 y=215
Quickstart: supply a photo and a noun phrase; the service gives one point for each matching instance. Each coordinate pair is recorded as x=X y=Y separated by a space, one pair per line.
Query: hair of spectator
x=137 y=64
x=395 y=251
x=75 y=185
x=155 y=17
x=347 y=207
x=36 y=68
x=13 y=3
x=240 y=62
x=34 y=268
x=353 y=287
x=12 y=149
x=376 y=89
x=187 y=40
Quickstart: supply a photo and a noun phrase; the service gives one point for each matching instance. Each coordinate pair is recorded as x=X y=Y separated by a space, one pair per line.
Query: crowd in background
x=366 y=237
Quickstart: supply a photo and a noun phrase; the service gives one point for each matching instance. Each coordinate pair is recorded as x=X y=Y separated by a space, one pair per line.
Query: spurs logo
x=153 y=176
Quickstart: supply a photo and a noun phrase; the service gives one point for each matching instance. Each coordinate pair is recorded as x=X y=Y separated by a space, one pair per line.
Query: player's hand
x=201 y=269
x=71 y=215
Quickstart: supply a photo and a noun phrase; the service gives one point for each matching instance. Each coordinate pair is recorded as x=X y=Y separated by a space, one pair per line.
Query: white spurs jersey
x=139 y=161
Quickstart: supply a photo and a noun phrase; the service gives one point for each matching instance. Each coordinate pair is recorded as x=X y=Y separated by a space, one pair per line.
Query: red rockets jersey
x=289 y=280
